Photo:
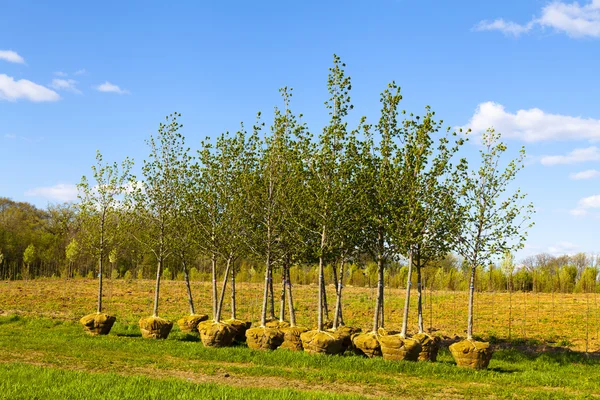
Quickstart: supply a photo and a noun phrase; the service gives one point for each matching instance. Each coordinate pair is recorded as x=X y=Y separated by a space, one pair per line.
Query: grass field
x=45 y=354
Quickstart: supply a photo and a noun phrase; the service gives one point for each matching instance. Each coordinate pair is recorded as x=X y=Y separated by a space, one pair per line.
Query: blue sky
x=81 y=76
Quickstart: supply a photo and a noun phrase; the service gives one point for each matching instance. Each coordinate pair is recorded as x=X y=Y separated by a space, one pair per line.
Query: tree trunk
x=100 y=284
x=471 y=294
x=214 y=283
x=186 y=277
x=321 y=283
x=325 y=307
x=420 y=298
x=338 y=319
x=263 y=315
x=290 y=300
x=271 y=296
x=222 y=296
x=379 y=301
x=282 y=298
x=233 y=289
x=407 y=298
x=157 y=287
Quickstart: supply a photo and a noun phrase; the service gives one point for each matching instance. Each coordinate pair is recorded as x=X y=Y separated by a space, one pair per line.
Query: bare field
x=566 y=320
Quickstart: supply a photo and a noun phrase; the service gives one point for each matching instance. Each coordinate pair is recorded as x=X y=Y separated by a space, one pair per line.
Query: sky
x=76 y=77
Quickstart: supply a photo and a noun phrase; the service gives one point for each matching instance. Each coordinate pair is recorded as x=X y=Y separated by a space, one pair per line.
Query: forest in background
x=47 y=233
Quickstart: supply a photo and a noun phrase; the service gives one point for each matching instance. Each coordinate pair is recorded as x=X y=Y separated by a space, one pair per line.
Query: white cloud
x=576 y=156
x=60 y=192
x=108 y=87
x=533 y=125
x=585 y=205
x=587 y=174
x=61 y=74
x=69 y=85
x=590 y=202
x=81 y=72
x=508 y=28
x=11 y=56
x=10 y=136
x=573 y=19
x=12 y=90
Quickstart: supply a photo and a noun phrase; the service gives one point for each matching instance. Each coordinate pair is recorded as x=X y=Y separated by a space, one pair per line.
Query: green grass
x=181 y=362
x=22 y=381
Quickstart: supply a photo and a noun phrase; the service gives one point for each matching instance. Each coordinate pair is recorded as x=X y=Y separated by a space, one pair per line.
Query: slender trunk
x=222 y=296
x=407 y=298
x=214 y=283
x=100 y=284
x=157 y=287
x=282 y=298
x=321 y=282
x=325 y=306
x=338 y=319
x=271 y=296
x=263 y=315
x=471 y=294
x=233 y=289
x=290 y=300
x=100 y=265
x=321 y=290
x=419 y=297
x=379 y=301
x=186 y=277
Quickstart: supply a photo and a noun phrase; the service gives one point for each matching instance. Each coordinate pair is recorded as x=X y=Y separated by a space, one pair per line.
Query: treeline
x=48 y=233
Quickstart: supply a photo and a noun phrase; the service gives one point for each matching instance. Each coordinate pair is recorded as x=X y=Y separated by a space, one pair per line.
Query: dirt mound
x=189 y=323
x=345 y=334
x=97 y=324
x=472 y=354
x=216 y=334
x=240 y=328
x=394 y=347
x=155 y=328
x=366 y=344
x=430 y=345
x=264 y=338
x=321 y=342
x=291 y=338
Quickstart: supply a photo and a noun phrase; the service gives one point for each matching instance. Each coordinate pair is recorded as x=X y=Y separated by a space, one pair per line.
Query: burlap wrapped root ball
x=321 y=342
x=240 y=328
x=155 y=328
x=276 y=324
x=189 y=323
x=345 y=333
x=264 y=338
x=366 y=344
x=97 y=324
x=216 y=334
x=395 y=347
x=430 y=345
x=291 y=338
x=472 y=354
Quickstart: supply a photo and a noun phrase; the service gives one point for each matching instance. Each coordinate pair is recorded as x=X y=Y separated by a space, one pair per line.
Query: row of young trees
x=394 y=188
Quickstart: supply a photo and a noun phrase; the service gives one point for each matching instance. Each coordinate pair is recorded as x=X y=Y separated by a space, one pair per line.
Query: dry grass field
x=566 y=320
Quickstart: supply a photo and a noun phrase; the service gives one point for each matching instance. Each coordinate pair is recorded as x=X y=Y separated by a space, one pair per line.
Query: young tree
x=155 y=201
x=428 y=218
x=325 y=183
x=100 y=205
x=273 y=196
x=493 y=222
